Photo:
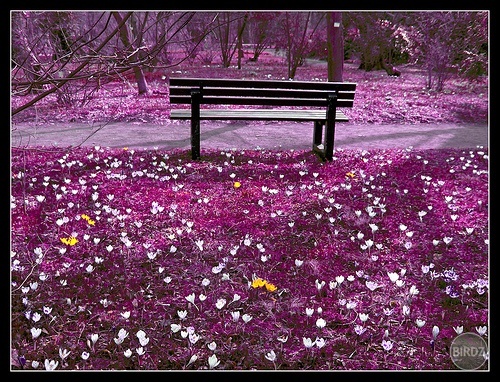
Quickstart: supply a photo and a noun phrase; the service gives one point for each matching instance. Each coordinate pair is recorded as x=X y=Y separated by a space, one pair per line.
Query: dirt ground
x=249 y=135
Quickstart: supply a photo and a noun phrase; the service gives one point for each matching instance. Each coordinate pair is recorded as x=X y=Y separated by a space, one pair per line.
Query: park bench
x=299 y=101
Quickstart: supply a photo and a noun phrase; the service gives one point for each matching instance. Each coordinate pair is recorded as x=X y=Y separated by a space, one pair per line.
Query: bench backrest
x=261 y=92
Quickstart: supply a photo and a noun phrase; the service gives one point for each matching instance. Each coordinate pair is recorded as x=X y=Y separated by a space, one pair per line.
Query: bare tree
x=229 y=30
x=261 y=31
x=296 y=35
x=132 y=53
x=92 y=52
x=447 y=41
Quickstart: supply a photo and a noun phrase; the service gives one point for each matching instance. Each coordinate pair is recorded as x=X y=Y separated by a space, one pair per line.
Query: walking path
x=248 y=135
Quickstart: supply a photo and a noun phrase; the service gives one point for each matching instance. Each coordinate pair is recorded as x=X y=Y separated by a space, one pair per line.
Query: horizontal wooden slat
x=260 y=101
x=258 y=114
x=262 y=84
x=267 y=93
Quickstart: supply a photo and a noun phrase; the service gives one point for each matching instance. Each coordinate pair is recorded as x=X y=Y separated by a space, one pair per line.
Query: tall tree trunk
x=139 y=75
x=335 y=46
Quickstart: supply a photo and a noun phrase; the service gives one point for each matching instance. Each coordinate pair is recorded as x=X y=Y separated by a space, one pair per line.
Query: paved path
x=244 y=135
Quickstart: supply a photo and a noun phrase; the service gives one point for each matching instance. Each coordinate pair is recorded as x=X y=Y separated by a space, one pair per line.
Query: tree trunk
x=139 y=75
x=335 y=46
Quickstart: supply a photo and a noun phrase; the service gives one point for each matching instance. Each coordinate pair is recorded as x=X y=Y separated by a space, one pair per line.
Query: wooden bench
x=316 y=102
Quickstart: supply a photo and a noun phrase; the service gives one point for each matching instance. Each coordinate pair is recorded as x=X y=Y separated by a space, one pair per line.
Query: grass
x=247 y=260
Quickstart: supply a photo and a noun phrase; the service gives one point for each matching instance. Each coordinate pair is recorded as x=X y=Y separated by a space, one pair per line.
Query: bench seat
x=258 y=114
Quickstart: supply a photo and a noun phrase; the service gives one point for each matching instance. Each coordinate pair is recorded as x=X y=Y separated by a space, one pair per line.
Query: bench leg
x=329 y=139
x=195 y=124
x=195 y=138
x=318 y=133
x=330 y=125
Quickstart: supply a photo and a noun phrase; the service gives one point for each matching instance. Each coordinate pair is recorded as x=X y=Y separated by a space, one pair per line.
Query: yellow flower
x=237 y=184
x=257 y=283
x=69 y=240
x=351 y=174
x=270 y=287
x=88 y=219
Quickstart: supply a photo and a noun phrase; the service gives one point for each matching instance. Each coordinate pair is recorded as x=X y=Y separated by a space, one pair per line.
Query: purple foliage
x=368 y=254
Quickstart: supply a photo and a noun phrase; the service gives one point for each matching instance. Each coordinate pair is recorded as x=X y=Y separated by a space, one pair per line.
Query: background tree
x=335 y=46
x=261 y=31
x=99 y=51
x=229 y=30
x=376 y=41
x=132 y=53
x=450 y=42
x=296 y=34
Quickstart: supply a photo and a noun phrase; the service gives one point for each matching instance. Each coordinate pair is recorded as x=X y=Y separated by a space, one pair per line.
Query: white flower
x=271 y=356
x=236 y=315
x=144 y=341
x=36 y=317
x=319 y=284
x=190 y=298
x=351 y=305
x=122 y=333
x=193 y=338
x=127 y=353
x=298 y=262
x=182 y=314
x=309 y=312
x=94 y=337
x=308 y=343
x=246 y=318
x=435 y=331
x=372 y=285
x=419 y=322
x=320 y=323
x=363 y=317
x=85 y=355
x=387 y=345
x=47 y=310
x=282 y=338
x=458 y=329
x=481 y=330
x=35 y=332
x=359 y=330
x=414 y=291
x=35 y=364
x=175 y=328
x=339 y=279
x=393 y=276
x=125 y=315
x=63 y=353
x=212 y=345
x=220 y=303
x=140 y=350
x=406 y=310
x=193 y=358
x=51 y=365
x=320 y=342
x=213 y=361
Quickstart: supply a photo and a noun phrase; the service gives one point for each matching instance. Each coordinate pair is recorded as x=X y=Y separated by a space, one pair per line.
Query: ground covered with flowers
x=124 y=259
